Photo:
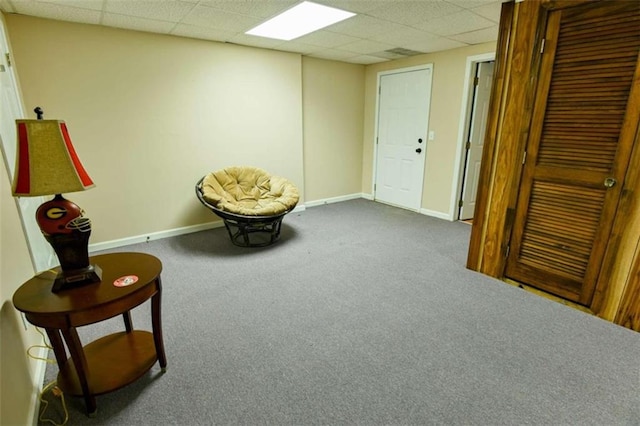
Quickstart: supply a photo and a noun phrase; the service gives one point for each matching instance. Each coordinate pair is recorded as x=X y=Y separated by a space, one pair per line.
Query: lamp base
x=69 y=279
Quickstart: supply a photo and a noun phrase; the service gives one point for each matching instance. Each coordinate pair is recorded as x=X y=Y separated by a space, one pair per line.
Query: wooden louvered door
x=580 y=137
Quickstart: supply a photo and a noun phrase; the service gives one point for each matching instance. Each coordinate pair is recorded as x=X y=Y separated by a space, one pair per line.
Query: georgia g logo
x=55 y=213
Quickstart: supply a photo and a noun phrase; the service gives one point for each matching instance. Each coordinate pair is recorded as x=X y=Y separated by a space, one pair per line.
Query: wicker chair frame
x=245 y=230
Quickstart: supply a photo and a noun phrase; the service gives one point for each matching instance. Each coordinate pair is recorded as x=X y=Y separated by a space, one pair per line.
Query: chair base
x=245 y=230
x=249 y=232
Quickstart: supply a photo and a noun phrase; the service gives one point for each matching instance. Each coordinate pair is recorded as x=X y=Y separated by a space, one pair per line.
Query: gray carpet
x=363 y=314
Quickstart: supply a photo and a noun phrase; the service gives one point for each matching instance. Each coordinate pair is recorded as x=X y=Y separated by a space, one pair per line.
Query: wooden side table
x=112 y=361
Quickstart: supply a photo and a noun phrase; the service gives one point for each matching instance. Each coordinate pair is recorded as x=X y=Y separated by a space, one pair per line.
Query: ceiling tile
x=203 y=33
x=297 y=47
x=490 y=11
x=366 y=46
x=208 y=17
x=6 y=6
x=135 y=23
x=257 y=8
x=387 y=28
x=459 y=22
x=476 y=37
x=255 y=41
x=393 y=54
x=365 y=59
x=162 y=10
x=327 y=39
x=82 y=4
x=402 y=35
x=356 y=6
x=470 y=4
x=412 y=12
x=360 y=26
x=435 y=45
x=334 y=54
x=58 y=12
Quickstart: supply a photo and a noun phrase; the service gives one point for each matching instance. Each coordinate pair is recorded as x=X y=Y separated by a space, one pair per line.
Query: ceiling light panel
x=302 y=19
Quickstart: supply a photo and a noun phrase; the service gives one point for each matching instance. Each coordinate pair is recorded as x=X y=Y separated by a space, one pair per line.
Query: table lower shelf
x=113 y=361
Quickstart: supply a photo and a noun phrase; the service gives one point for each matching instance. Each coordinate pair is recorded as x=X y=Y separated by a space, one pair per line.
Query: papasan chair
x=250 y=201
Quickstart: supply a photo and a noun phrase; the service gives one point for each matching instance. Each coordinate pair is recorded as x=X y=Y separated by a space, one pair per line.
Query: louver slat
x=587 y=98
x=563 y=242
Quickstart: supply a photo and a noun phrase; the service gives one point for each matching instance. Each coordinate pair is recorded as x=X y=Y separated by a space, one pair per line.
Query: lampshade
x=46 y=161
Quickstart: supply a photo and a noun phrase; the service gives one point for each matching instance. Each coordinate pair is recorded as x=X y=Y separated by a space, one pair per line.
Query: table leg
x=80 y=363
x=128 y=325
x=157 y=326
x=58 y=347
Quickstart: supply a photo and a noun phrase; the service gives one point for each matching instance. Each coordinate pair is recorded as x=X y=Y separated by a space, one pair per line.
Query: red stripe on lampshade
x=82 y=173
x=23 y=172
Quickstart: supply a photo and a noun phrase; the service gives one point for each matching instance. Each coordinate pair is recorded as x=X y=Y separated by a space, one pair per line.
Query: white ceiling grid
x=380 y=25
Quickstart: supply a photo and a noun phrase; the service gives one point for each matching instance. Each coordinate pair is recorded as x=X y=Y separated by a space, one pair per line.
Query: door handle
x=419 y=150
x=610 y=182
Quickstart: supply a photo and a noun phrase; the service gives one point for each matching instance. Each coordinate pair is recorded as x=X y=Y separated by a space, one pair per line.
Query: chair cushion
x=249 y=191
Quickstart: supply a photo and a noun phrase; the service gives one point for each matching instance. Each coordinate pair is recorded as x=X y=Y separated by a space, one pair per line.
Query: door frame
x=466 y=109
x=379 y=76
x=40 y=252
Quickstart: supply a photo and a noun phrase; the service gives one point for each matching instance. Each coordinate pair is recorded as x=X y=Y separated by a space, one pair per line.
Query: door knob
x=420 y=140
x=419 y=150
x=610 y=182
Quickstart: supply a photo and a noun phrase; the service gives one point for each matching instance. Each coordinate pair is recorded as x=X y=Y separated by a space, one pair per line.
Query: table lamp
x=47 y=164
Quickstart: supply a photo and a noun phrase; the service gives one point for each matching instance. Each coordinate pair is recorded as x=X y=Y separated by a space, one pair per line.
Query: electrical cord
x=45 y=346
x=51 y=386
x=56 y=391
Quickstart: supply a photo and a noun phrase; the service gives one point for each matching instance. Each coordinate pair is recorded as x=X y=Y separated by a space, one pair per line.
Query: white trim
x=367 y=196
x=374 y=168
x=334 y=199
x=456 y=187
x=437 y=214
x=428 y=66
x=38 y=384
x=153 y=236
x=163 y=234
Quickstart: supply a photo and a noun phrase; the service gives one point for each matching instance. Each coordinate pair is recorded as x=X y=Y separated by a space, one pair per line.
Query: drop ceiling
x=382 y=30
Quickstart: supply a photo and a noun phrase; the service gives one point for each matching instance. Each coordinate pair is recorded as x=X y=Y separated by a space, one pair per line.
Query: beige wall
x=333 y=94
x=18 y=372
x=150 y=114
x=444 y=119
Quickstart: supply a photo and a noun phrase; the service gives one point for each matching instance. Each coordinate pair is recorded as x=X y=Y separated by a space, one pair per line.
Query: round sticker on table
x=125 y=281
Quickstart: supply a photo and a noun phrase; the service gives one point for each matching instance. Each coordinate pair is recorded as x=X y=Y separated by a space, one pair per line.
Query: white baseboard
x=154 y=236
x=163 y=234
x=335 y=199
x=437 y=214
x=425 y=212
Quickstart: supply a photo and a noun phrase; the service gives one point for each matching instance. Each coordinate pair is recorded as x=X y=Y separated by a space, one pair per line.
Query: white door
x=42 y=255
x=475 y=143
x=403 y=122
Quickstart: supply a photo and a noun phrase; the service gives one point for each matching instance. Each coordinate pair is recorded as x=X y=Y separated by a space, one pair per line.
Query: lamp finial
x=39 y=112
